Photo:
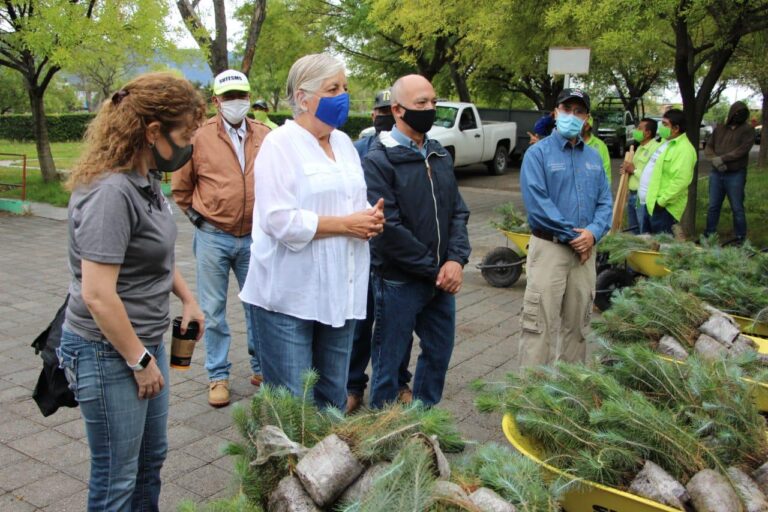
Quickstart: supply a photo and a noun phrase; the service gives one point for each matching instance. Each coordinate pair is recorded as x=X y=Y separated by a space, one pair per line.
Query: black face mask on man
x=740 y=117
x=383 y=122
x=420 y=120
x=179 y=155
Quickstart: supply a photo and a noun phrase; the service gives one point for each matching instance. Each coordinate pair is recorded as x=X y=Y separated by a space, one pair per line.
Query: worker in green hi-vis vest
x=595 y=142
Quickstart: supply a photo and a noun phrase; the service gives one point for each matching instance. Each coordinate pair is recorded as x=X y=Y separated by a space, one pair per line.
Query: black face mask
x=740 y=117
x=383 y=122
x=420 y=120
x=179 y=155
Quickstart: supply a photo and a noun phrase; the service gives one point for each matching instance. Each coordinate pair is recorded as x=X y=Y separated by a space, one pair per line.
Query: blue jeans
x=290 y=346
x=216 y=253
x=403 y=307
x=632 y=211
x=731 y=184
x=127 y=436
x=361 y=352
x=660 y=222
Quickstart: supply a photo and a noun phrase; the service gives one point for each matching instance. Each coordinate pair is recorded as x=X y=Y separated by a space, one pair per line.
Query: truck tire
x=511 y=266
x=498 y=165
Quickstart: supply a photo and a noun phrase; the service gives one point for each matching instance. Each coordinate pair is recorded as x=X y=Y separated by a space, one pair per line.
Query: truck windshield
x=445 y=116
x=609 y=118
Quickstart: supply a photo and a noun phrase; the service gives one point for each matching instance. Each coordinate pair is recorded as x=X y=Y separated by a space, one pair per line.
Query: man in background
x=383 y=121
x=260 y=113
x=215 y=191
x=645 y=137
x=728 y=150
x=663 y=187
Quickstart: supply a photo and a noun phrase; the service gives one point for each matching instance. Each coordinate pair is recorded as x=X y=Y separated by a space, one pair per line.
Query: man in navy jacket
x=417 y=262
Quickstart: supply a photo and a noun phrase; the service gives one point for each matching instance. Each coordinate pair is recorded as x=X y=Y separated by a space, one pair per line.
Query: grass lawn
x=754 y=204
x=65 y=154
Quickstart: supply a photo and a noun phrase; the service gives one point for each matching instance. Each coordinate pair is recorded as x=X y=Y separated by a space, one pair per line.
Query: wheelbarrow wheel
x=506 y=267
x=608 y=281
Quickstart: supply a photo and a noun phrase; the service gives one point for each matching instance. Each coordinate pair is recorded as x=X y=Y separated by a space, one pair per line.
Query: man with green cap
x=260 y=113
x=596 y=143
x=215 y=191
x=647 y=144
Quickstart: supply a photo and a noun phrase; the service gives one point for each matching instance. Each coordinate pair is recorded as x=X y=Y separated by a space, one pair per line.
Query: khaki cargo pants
x=558 y=300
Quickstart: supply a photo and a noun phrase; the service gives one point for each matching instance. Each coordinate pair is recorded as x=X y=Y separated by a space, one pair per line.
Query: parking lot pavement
x=44 y=461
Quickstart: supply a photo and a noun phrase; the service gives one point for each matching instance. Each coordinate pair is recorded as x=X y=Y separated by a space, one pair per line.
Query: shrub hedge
x=71 y=127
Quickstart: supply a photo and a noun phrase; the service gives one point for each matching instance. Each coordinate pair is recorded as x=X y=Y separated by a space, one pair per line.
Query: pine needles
x=299 y=418
x=601 y=424
x=406 y=485
x=515 y=477
x=373 y=435
x=511 y=219
x=620 y=245
x=734 y=279
x=650 y=310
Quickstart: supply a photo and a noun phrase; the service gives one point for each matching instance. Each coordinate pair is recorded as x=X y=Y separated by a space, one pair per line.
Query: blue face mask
x=569 y=125
x=333 y=110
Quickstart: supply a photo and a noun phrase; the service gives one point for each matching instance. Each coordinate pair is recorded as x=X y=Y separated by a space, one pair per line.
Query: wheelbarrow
x=502 y=266
x=614 y=277
x=587 y=496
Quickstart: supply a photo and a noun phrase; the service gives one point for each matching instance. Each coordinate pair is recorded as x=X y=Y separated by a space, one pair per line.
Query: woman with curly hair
x=121 y=255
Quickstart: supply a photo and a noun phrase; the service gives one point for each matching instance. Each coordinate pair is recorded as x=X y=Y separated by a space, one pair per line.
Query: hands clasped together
x=583 y=244
x=368 y=223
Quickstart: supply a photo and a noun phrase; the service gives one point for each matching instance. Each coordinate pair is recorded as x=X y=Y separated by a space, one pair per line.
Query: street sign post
x=568 y=61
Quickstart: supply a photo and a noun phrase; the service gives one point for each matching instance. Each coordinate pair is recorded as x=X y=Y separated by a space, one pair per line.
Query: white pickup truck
x=468 y=139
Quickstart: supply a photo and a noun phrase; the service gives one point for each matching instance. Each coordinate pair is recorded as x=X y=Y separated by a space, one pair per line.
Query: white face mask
x=235 y=110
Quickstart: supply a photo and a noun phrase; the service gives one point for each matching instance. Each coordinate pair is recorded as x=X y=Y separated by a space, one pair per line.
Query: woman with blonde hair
x=121 y=255
x=308 y=275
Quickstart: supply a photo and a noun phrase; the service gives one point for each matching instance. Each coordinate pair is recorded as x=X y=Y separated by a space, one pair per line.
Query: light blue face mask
x=568 y=125
x=333 y=110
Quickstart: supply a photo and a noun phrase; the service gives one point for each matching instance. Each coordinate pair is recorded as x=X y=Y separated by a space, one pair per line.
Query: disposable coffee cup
x=183 y=345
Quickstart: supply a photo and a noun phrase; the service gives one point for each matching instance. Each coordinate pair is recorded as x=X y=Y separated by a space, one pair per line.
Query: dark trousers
x=660 y=222
x=731 y=184
x=361 y=352
x=402 y=308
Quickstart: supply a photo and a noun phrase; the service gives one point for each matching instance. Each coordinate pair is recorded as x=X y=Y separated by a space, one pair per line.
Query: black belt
x=545 y=235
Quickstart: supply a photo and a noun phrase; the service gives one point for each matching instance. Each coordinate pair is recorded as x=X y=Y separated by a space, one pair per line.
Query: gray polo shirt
x=123 y=219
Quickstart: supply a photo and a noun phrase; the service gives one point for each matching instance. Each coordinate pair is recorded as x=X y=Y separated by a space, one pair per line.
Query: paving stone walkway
x=44 y=462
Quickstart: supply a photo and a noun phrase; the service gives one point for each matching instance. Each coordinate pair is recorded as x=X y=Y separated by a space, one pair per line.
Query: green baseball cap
x=230 y=80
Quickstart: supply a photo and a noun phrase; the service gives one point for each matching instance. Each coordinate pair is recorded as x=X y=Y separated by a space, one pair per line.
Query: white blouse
x=325 y=280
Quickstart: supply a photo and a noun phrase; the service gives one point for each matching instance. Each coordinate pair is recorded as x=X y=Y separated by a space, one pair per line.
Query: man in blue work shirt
x=569 y=205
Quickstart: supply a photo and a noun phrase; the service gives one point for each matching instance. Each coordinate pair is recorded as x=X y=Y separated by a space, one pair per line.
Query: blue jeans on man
x=218 y=252
x=633 y=222
x=730 y=184
x=127 y=436
x=402 y=308
x=361 y=352
x=289 y=346
x=660 y=222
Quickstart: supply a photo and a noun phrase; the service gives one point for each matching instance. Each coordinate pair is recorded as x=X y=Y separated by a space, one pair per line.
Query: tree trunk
x=44 y=156
x=254 y=29
x=762 y=156
x=461 y=83
x=219 y=58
